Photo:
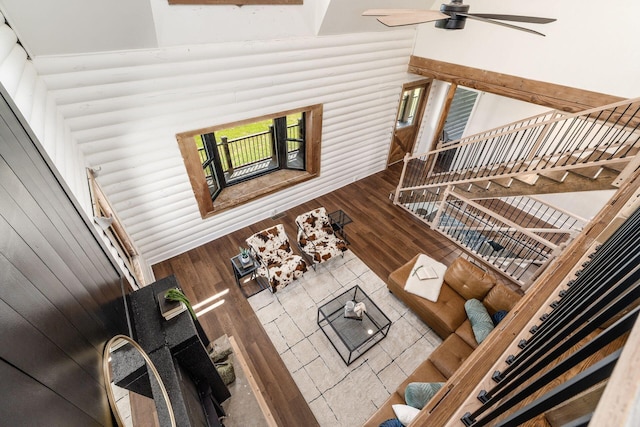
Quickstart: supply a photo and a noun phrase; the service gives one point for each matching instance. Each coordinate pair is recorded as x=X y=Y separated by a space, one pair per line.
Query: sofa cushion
x=498 y=316
x=468 y=280
x=425 y=372
x=480 y=319
x=449 y=355
x=443 y=316
x=446 y=315
x=393 y=422
x=418 y=394
x=500 y=297
x=465 y=332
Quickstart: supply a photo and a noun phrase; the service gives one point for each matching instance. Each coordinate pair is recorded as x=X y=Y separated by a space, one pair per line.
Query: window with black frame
x=237 y=154
x=234 y=163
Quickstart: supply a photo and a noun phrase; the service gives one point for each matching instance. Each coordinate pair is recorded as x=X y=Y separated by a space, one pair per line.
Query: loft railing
x=551 y=141
x=517 y=236
x=573 y=348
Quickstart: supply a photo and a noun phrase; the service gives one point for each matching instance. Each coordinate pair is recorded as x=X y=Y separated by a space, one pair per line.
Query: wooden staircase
x=565 y=153
x=576 y=174
x=550 y=153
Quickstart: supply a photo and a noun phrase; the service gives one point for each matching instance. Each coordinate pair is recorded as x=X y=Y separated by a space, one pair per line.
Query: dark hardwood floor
x=382 y=235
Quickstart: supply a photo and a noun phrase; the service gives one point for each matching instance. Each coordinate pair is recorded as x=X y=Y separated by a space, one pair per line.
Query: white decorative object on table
x=359 y=309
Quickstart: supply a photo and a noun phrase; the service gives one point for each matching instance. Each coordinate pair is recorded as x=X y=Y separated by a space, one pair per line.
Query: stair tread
x=557 y=175
x=590 y=172
x=528 y=178
x=503 y=182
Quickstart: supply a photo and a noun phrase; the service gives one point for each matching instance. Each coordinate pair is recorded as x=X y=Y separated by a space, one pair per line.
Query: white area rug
x=341 y=395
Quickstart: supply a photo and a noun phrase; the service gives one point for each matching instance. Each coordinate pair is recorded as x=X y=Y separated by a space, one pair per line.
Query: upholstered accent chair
x=316 y=237
x=278 y=264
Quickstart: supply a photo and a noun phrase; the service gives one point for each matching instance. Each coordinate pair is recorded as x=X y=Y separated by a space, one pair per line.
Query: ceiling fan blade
x=412 y=18
x=516 y=18
x=515 y=27
x=387 y=12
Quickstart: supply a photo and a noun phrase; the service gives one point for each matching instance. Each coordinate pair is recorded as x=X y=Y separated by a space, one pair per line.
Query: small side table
x=241 y=272
x=338 y=220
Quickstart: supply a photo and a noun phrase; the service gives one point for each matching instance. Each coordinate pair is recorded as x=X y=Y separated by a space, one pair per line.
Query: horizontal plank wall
x=551 y=95
x=19 y=77
x=125 y=108
x=34 y=102
x=60 y=296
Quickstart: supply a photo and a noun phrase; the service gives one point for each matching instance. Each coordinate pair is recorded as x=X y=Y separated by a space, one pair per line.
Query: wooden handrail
x=459 y=393
x=562 y=133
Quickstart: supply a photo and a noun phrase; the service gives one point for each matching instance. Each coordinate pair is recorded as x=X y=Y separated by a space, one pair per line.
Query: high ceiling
x=59 y=27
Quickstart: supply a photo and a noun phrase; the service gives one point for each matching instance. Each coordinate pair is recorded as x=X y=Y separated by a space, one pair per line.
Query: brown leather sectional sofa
x=447 y=317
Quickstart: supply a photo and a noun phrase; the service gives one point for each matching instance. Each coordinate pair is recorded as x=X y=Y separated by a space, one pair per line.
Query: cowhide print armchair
x=316 y=237
x=278 y=264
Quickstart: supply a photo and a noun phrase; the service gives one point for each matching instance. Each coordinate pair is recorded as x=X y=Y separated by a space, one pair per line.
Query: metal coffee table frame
x=352 y=337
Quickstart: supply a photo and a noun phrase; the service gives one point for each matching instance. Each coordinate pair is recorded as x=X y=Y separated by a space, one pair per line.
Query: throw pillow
x=418 y=394
x=405 y=413
x=478 y=315
x=498 y=316
x=393 y=422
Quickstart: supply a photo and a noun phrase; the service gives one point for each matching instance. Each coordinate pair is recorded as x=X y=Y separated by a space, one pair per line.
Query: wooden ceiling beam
x=551 y=95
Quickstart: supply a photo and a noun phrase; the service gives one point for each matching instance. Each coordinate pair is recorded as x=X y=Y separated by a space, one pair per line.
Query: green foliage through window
x=243 y=152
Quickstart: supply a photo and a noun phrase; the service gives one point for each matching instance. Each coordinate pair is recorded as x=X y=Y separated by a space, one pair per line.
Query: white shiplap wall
x=29 y=92
x=125 y=108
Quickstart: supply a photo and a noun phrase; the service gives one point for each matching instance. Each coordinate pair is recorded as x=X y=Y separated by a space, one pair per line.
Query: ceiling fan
x=451 y=16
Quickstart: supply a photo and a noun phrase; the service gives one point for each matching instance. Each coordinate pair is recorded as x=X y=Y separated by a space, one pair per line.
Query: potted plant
x=177 y=295
x=245 y=256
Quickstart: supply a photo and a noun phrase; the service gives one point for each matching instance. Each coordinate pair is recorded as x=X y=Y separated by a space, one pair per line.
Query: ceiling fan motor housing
x=456 y=22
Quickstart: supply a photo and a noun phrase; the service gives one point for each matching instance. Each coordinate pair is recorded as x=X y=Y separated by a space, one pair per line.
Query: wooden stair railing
x=553 y=146
x=549 y=303
x=515 y=236
x=549 y=153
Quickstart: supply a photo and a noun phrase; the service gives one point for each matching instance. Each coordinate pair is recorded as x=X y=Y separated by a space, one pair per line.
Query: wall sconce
x=103 y=222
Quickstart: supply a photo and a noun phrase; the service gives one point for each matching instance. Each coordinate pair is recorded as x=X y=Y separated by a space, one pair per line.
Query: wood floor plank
x=382 y=235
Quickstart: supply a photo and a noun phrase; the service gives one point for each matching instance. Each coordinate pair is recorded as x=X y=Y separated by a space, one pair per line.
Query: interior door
x=410 y=111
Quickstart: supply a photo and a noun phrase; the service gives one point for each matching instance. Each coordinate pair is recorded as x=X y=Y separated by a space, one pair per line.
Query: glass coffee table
x=352 y=337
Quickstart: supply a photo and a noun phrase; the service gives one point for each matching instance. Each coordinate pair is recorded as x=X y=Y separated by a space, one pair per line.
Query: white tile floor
x=341 y=395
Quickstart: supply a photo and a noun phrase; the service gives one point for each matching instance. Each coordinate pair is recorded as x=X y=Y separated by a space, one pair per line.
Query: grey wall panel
x=33 y=173
x=60 y=296
x=33 y=352
x=19 y=392
x=61 y=325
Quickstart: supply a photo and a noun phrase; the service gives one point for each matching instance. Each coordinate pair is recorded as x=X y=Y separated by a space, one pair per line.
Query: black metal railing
x=250 y=154
x=577 y=344
x=245 y=151
x=511 y=249
x=516 y=235
x=545 y=142
x=548 y=222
